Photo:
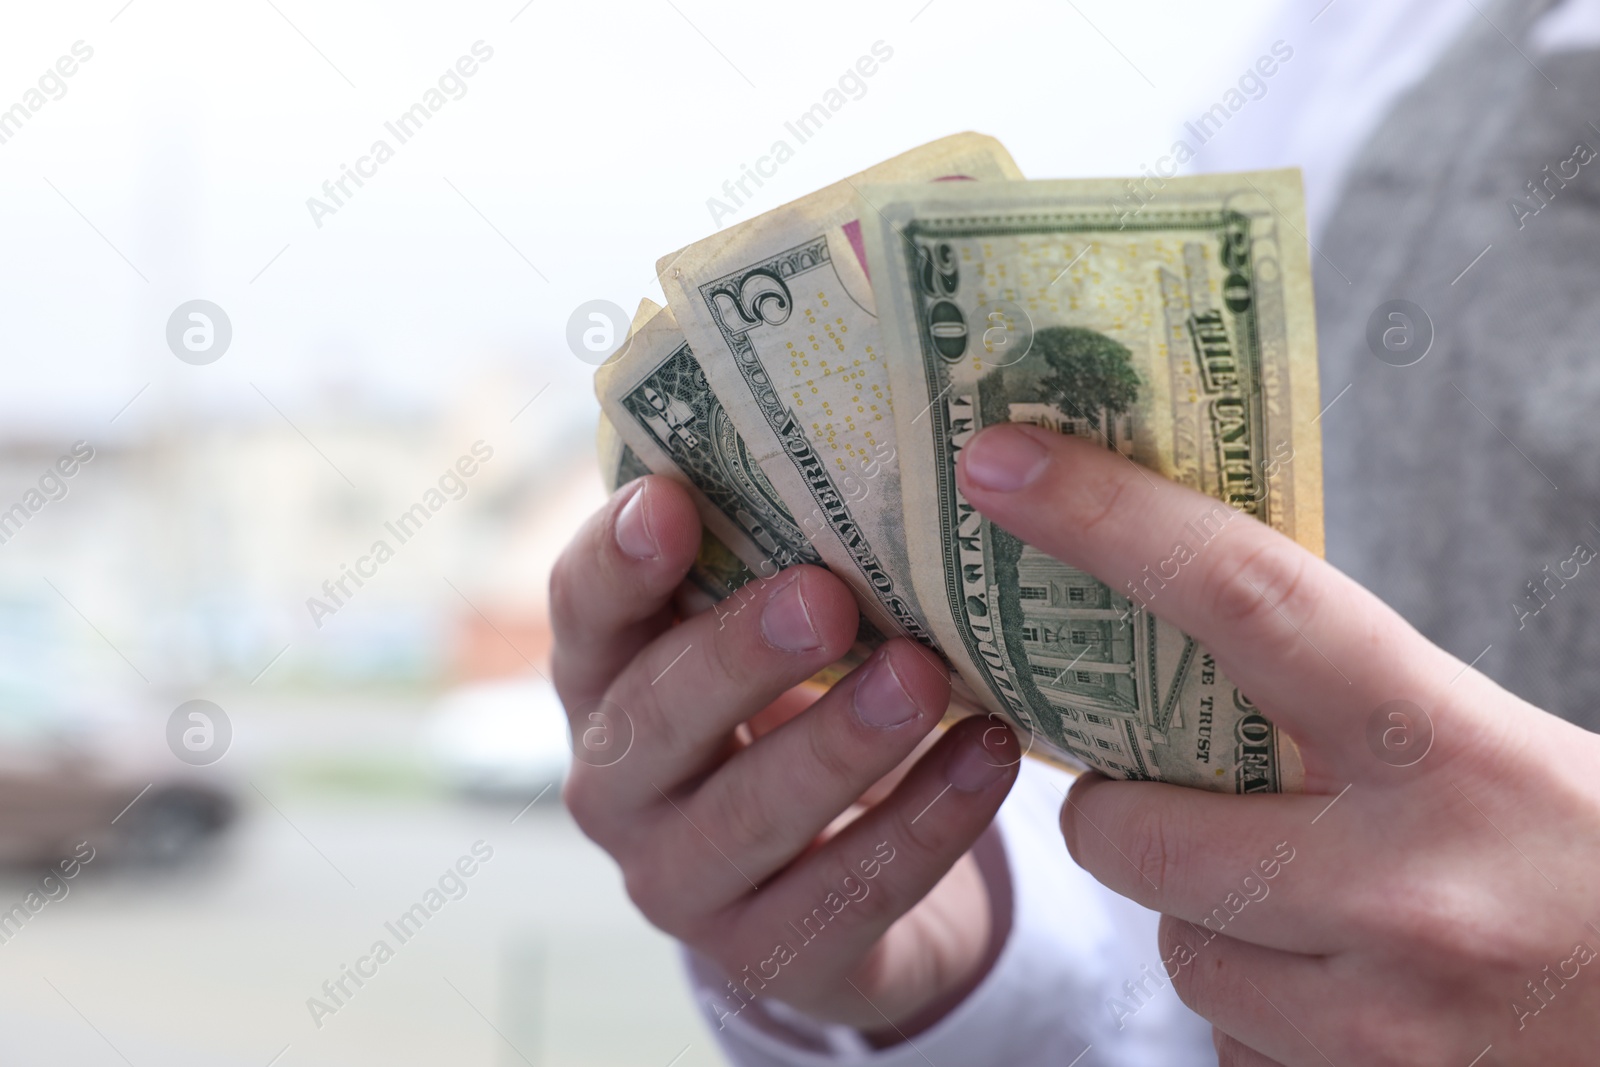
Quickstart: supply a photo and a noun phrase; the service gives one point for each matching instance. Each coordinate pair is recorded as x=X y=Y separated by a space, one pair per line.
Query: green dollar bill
x=1177 y=331
x=659 y=416
x=717 y=573
x=667 y=419
x=619 y=464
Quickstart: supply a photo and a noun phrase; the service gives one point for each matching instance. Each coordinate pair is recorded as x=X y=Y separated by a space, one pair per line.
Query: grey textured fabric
x=1452 y=484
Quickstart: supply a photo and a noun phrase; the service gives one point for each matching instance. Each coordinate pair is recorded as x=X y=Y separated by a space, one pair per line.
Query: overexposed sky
x=178 y=162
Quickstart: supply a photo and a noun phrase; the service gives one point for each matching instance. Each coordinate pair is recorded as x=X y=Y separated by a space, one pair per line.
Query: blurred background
x=245 y=849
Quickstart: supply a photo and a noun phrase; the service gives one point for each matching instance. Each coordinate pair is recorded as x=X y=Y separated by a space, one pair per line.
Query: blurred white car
x=504 y=738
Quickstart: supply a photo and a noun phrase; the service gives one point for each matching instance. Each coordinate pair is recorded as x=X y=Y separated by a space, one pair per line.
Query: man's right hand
x=737 y=849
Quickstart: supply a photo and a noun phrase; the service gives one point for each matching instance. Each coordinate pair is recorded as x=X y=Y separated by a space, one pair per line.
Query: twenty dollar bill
x=1179 y=334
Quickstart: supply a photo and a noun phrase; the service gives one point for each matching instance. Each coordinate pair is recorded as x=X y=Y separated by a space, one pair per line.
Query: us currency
x=1177 y=332
x=618 y=463
x=717 y=573
x=655 y=398
x=781 y=315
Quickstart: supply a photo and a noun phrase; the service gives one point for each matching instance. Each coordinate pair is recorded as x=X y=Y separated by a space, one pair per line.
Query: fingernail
x=983 y=760
x=633 y=532
x=786 y=621
x=881 y=700
x=1004 y=459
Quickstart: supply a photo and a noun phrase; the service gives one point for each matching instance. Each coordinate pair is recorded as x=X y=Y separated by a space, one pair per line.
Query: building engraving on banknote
x=760 y=295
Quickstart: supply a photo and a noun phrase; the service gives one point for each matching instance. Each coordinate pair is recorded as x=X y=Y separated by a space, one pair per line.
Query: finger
x=610 y=589
x=824 y=914
x=1231 y=1053
x=684 y=693
x=771 y=800
x=1226 y=863
x=1265 y=1000
x=1310 y=646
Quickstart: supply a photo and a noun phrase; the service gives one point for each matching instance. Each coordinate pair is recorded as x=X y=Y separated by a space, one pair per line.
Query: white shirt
x=1078 y=957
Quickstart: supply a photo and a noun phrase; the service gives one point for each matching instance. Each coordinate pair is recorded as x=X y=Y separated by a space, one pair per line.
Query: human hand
x=1430 y=900
x=736 y=846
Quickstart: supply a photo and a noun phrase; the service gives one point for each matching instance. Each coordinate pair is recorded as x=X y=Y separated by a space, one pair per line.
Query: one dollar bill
x=660 y=416
x=1177 y=332
x=717 y=572
x=666 y=420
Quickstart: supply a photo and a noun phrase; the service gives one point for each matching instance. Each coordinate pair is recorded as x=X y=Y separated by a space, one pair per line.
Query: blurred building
x=192 y=548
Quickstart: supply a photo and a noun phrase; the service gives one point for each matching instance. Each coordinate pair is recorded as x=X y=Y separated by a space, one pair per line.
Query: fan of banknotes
x=818 y=368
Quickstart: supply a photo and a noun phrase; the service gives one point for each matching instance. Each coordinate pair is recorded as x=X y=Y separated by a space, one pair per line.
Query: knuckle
x=746 y=814
x=829 y=750
x=1385 y=1034
x=1094 y=499
x=847 y=897
x=1265 y=592
x=1426 y=922
x=660 y=730
x=672 y=895
x=589 y=798
x=923 y=837
x=1156 y=850
x=877 y=906
x=659 y=714
x=564 y=595
x=720 y=656
x=1440 y=921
